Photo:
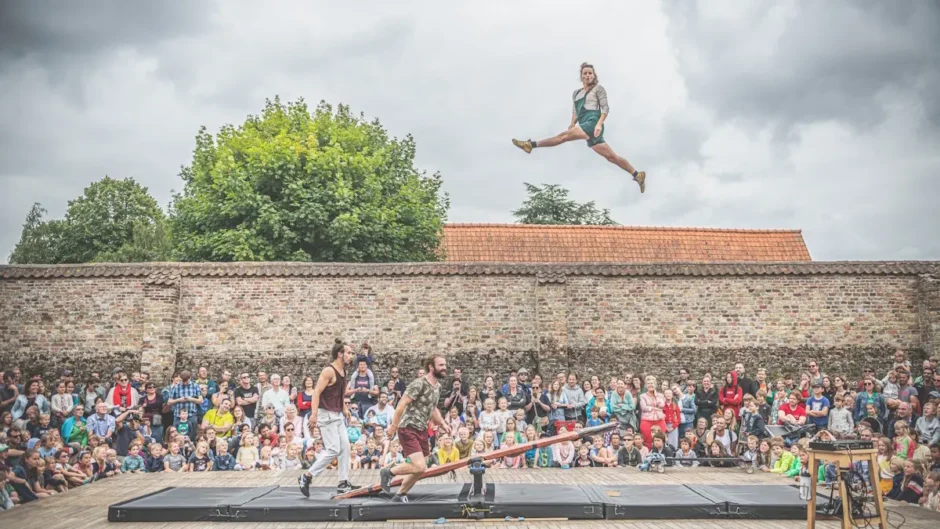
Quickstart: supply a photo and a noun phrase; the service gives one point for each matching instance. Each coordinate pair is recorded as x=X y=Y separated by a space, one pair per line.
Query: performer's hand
x=390 y=431
x=597 y=130
x=446 y=428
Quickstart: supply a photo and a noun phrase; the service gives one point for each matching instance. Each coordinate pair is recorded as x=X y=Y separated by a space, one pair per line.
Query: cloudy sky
x=820 y=116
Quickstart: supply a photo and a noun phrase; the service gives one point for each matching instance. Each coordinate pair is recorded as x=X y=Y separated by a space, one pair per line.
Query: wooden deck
x=87 y=507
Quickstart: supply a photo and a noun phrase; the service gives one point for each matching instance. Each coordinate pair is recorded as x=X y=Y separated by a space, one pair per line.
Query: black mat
x=452 y=500
x=772 y=502
x=189 y=504
x=652 y=502
x=287 y=504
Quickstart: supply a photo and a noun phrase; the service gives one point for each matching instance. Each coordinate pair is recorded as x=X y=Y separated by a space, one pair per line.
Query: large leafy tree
x=549 y=204
x=293 y=185
x=112 y=220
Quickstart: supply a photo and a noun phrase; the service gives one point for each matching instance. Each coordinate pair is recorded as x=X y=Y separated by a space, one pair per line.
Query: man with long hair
x=417 y=407
x=329 y=402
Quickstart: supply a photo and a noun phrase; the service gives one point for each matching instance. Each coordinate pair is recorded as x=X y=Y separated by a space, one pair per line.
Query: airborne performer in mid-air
x=587 y=123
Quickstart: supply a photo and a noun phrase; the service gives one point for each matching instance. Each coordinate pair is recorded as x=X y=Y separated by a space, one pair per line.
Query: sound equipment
x=841 y=445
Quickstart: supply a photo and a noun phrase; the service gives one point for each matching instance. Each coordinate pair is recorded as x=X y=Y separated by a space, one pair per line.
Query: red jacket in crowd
x=731 y=395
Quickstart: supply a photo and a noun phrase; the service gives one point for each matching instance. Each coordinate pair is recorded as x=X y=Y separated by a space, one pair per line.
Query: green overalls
x=587 y=120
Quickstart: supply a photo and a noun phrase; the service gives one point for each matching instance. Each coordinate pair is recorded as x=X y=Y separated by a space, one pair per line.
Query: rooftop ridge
x=168 y=272
x=618 y=227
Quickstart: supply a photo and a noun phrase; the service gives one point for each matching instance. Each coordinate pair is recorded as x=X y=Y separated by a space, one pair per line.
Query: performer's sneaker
x=524 y=145
x=385 y=478
x=345 y=486
x=304 y=481
x=640 y=178
x=400 y=498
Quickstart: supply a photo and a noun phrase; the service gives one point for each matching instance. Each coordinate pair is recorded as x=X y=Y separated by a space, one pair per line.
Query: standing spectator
x=651 y=408
x=817 y=407
x=815 y=376
x=305 y=396
x=731 y=396
x=687 y=407
x=152 y=404
x=185 y=395
x=363 y=387
x=8 y=392
x=747 y=385
x=31 y=397
x=623 y=407
x=869 y=395
x=516 y=396
x=398 y=384
x=706 y=400
x=203 y=378
x=247 y=395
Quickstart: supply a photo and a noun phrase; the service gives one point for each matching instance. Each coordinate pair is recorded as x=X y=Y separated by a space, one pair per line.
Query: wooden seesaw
x=496 y=454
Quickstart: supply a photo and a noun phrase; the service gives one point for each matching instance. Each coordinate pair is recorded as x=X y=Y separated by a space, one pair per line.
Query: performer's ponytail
x=338 y=347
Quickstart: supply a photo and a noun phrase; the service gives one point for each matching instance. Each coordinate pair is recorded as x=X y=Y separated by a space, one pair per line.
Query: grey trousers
x=335 y=443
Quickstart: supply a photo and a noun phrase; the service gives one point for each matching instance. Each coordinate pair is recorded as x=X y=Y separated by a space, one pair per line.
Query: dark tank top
x=331 y=399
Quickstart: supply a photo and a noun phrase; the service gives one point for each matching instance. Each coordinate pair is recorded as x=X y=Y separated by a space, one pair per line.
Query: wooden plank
x=496 y=454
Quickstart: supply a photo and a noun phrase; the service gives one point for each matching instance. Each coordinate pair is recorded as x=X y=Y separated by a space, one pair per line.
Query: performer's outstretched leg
x=604 y=150
x=573 y=133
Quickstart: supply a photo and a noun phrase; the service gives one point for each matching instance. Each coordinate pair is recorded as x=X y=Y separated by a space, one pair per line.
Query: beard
x=440 y=373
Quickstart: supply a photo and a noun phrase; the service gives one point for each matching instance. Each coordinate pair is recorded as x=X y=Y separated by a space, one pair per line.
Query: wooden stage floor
x=87 y=506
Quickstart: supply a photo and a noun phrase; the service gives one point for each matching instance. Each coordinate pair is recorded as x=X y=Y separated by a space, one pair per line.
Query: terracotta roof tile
x=527 y=243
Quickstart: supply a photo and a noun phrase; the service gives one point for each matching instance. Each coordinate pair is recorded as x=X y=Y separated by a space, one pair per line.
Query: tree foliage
x=550 y=204
x=108 y=221
x=294 y=186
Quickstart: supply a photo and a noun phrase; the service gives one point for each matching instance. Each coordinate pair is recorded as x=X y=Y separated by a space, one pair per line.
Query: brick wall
x=592 y=319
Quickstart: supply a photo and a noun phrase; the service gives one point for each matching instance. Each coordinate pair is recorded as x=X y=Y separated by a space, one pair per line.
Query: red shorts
x=413 y=440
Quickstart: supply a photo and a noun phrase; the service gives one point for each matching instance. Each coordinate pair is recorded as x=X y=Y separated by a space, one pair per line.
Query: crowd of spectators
x=61 y=434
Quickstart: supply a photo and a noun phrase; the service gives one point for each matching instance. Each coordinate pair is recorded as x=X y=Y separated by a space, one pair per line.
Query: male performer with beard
x=328 y=401
x=416 y=408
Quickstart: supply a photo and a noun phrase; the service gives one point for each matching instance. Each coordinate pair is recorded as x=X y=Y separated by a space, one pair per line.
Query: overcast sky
x=812 y=115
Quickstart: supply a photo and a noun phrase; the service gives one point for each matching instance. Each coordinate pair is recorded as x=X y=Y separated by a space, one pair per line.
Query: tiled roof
x=169 y=273
x=531 y=243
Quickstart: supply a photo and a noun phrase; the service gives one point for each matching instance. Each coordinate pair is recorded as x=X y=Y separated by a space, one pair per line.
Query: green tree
x=111 y=219
x=550 y=204
x=39 y=240
x=294 y=186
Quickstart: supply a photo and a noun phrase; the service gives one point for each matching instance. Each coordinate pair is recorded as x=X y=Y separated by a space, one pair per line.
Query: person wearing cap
x=817 y=406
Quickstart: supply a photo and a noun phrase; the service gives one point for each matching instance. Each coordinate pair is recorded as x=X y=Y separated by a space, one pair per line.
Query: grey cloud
x=826 y=63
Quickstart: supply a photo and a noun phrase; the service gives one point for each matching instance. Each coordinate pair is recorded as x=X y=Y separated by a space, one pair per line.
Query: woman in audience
x=651 y=407
x=28 y=399
x=305 y=396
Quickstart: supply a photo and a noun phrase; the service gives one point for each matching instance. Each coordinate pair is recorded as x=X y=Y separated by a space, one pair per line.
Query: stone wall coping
x=171 y=272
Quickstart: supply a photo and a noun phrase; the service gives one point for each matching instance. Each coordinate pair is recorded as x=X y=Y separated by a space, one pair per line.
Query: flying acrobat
x=587 y=123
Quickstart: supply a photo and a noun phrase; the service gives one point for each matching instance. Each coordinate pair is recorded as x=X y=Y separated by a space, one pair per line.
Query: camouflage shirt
x=425 y=397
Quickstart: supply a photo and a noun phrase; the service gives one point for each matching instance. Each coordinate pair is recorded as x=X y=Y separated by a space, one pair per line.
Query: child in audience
x=686 y=456
x=393 y=457
x=764 y=458
x=885 y=473
x=805 y=474
x=783 y=457
x=489 y=417
x=930 y=500
x=563 y=452
x=519 y=416
x=200 y=460
x=186 y=425
x=903 y=447
x=371 y=456
x=223 y=460
x=511 y=461
x=659 y=446
x=446 y=451
x=247 y=457
x=840 y=418
x=133 y=462
x=265 y=460
x=291 y=459
x=464 y=443
x=155 y=462
x=750 y=455
x=584 y=459
x=673 y=417
x=910 y=487
x=594 y=419
x=174 y=461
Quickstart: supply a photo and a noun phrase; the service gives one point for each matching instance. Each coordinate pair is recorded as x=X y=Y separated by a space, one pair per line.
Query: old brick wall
x=601 y=319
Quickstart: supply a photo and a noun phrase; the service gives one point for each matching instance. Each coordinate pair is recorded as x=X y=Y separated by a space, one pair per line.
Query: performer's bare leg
x=604 y=150
x=412 y=472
